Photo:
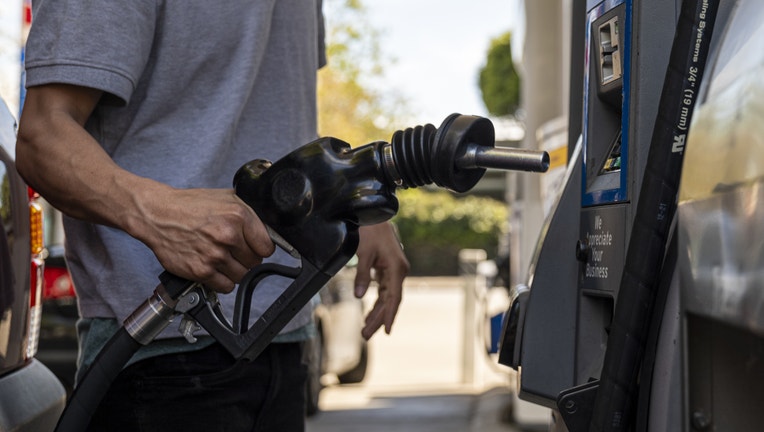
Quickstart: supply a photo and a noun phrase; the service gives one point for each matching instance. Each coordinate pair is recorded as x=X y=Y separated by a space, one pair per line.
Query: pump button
x=582 y=250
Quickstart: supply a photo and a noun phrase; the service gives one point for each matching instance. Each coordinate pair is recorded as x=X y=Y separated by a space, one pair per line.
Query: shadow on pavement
x=454 y=412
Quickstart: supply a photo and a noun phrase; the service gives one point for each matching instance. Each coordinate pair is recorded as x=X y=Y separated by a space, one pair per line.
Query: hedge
x=435 y=225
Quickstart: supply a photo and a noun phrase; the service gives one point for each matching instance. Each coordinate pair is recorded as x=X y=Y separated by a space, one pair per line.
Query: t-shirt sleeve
x=92 y=43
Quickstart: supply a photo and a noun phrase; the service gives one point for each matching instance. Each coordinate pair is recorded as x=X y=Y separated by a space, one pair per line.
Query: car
x=338 y=352
x=31 y=397
x=339 y=318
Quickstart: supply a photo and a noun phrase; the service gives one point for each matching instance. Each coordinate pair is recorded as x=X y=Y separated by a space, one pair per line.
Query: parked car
x=337 y=350
x=31 y=397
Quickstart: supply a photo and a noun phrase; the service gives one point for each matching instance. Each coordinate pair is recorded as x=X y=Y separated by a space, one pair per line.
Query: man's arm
x=206 y=235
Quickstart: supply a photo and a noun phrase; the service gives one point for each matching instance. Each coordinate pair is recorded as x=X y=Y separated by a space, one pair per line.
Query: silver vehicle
x=31 y=398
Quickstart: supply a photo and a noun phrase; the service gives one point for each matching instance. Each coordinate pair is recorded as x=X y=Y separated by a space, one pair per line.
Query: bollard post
x=471 y=280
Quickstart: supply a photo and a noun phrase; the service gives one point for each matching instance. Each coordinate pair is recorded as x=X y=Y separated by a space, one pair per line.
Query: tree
x=499 y=82
x=349 y=106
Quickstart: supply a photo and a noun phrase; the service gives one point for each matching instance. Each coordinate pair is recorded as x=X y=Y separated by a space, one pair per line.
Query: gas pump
x=578 y=263
x=581 y=332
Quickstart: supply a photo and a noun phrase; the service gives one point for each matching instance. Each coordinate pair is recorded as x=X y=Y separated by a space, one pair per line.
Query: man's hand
x=205 y=235
x=380 y=249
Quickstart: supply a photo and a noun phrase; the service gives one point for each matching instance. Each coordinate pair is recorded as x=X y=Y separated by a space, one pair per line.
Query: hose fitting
x=153 y=316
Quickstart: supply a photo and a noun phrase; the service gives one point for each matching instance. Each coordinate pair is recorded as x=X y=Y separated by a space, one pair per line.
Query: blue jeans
x=207 y=390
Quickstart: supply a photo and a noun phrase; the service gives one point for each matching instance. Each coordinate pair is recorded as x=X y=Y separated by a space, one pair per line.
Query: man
x=137 y=116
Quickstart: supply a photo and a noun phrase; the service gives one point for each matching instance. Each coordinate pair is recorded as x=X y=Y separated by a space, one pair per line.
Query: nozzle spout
x=503 y=158
x=454 y=156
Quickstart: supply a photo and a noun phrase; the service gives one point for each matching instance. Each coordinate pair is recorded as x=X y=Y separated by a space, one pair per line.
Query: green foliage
x=349 y=107
x=499 y=82
x=434 y=226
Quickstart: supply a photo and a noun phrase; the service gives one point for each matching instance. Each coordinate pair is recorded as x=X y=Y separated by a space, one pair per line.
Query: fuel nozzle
x=326 y=181
x=314 y=199
x=453 y=156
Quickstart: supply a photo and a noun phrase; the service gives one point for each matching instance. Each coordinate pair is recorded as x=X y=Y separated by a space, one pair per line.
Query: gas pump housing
x=579 y=257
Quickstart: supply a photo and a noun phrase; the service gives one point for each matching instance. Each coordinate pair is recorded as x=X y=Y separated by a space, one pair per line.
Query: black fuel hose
x=96 y=382
x=614 y=402
x=140 y=328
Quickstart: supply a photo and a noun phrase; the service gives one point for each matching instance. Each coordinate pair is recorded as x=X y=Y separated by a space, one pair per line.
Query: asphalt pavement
x=419 y=378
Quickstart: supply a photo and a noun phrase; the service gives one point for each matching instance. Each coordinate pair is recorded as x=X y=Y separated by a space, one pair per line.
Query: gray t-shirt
x=193 y=90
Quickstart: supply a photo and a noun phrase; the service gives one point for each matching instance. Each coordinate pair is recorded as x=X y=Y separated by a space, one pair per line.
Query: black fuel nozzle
x=328 y=178
x=314 y=200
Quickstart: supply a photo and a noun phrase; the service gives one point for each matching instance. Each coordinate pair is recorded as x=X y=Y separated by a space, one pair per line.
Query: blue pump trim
x=620 y=193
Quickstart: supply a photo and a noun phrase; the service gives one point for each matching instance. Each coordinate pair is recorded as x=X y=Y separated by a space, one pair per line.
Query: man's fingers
x=361 y=285
x=383 y=313
x=219 y=283
x=255 y=235
x=362 y=276
x=391 y=311
x=374 y=320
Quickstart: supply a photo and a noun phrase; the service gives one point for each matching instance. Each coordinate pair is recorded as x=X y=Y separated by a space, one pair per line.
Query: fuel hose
x=96 y=382
x=614 y=405
x=140 y=328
